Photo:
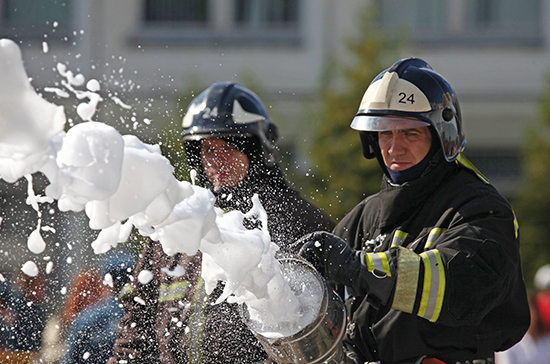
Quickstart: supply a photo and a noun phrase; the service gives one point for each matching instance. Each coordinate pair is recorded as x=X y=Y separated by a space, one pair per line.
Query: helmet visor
x=384 y=123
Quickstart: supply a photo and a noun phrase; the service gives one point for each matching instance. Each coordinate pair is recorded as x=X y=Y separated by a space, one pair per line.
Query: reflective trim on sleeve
x=173 y=292
x=434 y=285
x=378 y=261
x=197 y=319
x=127 y=293
x=398 y=238
x=432 y=237
x=406 y=286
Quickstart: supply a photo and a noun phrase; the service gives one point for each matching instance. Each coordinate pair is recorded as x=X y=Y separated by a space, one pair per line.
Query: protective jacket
x=172 y=320
x=450 y=243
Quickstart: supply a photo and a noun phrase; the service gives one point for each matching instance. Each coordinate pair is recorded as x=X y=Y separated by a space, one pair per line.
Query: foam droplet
x=30 y=269
x=145 y=277
x=35 y=242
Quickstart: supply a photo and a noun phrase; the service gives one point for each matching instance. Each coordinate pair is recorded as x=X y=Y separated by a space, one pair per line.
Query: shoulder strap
x=462 y=160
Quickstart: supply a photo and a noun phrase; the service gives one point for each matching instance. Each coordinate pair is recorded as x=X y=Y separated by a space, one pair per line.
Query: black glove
x=338 y=263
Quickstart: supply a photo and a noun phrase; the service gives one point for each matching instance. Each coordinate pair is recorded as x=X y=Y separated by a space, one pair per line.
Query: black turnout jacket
x=170 y=319
x=451 y=243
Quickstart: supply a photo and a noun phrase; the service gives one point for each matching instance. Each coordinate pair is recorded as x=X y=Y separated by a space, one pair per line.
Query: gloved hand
x=338 y=263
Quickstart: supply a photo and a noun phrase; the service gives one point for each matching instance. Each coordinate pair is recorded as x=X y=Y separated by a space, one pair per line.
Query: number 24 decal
x=403 y=98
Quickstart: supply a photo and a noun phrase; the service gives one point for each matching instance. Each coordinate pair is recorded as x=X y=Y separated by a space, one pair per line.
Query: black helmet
x=411 y=94
x=227 y=109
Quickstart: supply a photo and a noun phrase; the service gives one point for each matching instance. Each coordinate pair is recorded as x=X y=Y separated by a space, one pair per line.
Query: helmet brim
x=385 y=123
x=215 y=134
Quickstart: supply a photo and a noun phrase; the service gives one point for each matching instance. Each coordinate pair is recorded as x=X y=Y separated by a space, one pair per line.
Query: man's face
x=402 y=149
x=223 y=163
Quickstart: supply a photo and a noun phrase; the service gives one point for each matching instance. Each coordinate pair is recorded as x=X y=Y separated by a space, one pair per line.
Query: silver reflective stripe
x=378 y=261
x=434 y=285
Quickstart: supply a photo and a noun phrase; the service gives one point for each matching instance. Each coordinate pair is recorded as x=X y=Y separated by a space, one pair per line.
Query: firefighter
x=431 y=263
x=230 y=142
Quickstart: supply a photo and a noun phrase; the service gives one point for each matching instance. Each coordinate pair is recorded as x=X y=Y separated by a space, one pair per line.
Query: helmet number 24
x=403 y=98
x=210 y=113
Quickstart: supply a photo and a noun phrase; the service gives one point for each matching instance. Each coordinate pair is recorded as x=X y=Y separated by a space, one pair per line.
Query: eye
x=207 y=149
x=411 y=132
x=231 y=148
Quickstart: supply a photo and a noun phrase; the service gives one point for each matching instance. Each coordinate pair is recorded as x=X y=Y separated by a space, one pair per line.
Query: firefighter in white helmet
x=430 y=265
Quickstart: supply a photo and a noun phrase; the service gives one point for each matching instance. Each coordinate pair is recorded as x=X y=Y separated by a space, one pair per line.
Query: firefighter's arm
x=467 y=258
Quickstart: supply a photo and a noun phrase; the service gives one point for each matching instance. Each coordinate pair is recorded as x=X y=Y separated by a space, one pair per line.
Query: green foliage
x=344 y=176
x=532 y=203
x=172 y=148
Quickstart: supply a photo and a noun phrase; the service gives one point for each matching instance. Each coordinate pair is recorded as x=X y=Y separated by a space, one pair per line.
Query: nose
x=397 y=145
x=218 y=159
x=213 y=162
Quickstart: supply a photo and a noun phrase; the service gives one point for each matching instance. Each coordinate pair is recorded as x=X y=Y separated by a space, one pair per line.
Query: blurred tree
x=343 y=176
x=172 y=148
x=532 y=202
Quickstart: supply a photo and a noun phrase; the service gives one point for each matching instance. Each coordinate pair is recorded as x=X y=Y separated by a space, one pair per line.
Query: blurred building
x=149 y=53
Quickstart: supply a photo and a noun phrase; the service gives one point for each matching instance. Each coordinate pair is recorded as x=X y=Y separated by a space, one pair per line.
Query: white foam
x=30 y=268
x=121 y=182
x=145 y=277
x=30 y=125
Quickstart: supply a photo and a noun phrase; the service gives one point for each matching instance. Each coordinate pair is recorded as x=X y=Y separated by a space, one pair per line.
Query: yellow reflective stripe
x=398 y=238
x=126 y=292
x=370 y=263
x=197 y=319
x=385 y=264
x=516 y=225
x=461 y=159
x=434 y=285
x=408 y=271
x=432 y=237
x=378 y=261
x=173 y=292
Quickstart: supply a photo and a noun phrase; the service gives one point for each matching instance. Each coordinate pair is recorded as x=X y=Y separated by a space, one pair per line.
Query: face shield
x=385 y=123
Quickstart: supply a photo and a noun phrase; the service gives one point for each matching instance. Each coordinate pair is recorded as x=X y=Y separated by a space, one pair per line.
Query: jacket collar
x=401 y=202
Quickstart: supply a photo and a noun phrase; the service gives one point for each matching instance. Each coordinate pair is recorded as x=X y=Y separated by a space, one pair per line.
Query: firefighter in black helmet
x=227 y=109
x=229 y=116
x=228 y=120
x=230 y=141
x=430 y=265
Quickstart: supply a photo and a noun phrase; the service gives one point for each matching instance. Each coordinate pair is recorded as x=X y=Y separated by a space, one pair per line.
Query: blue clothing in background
x=25 y=334
x=92 y=336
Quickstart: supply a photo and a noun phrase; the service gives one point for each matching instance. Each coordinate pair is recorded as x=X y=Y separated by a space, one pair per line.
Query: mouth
x=400 y=165
x=215 y=175
x=220 y=177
